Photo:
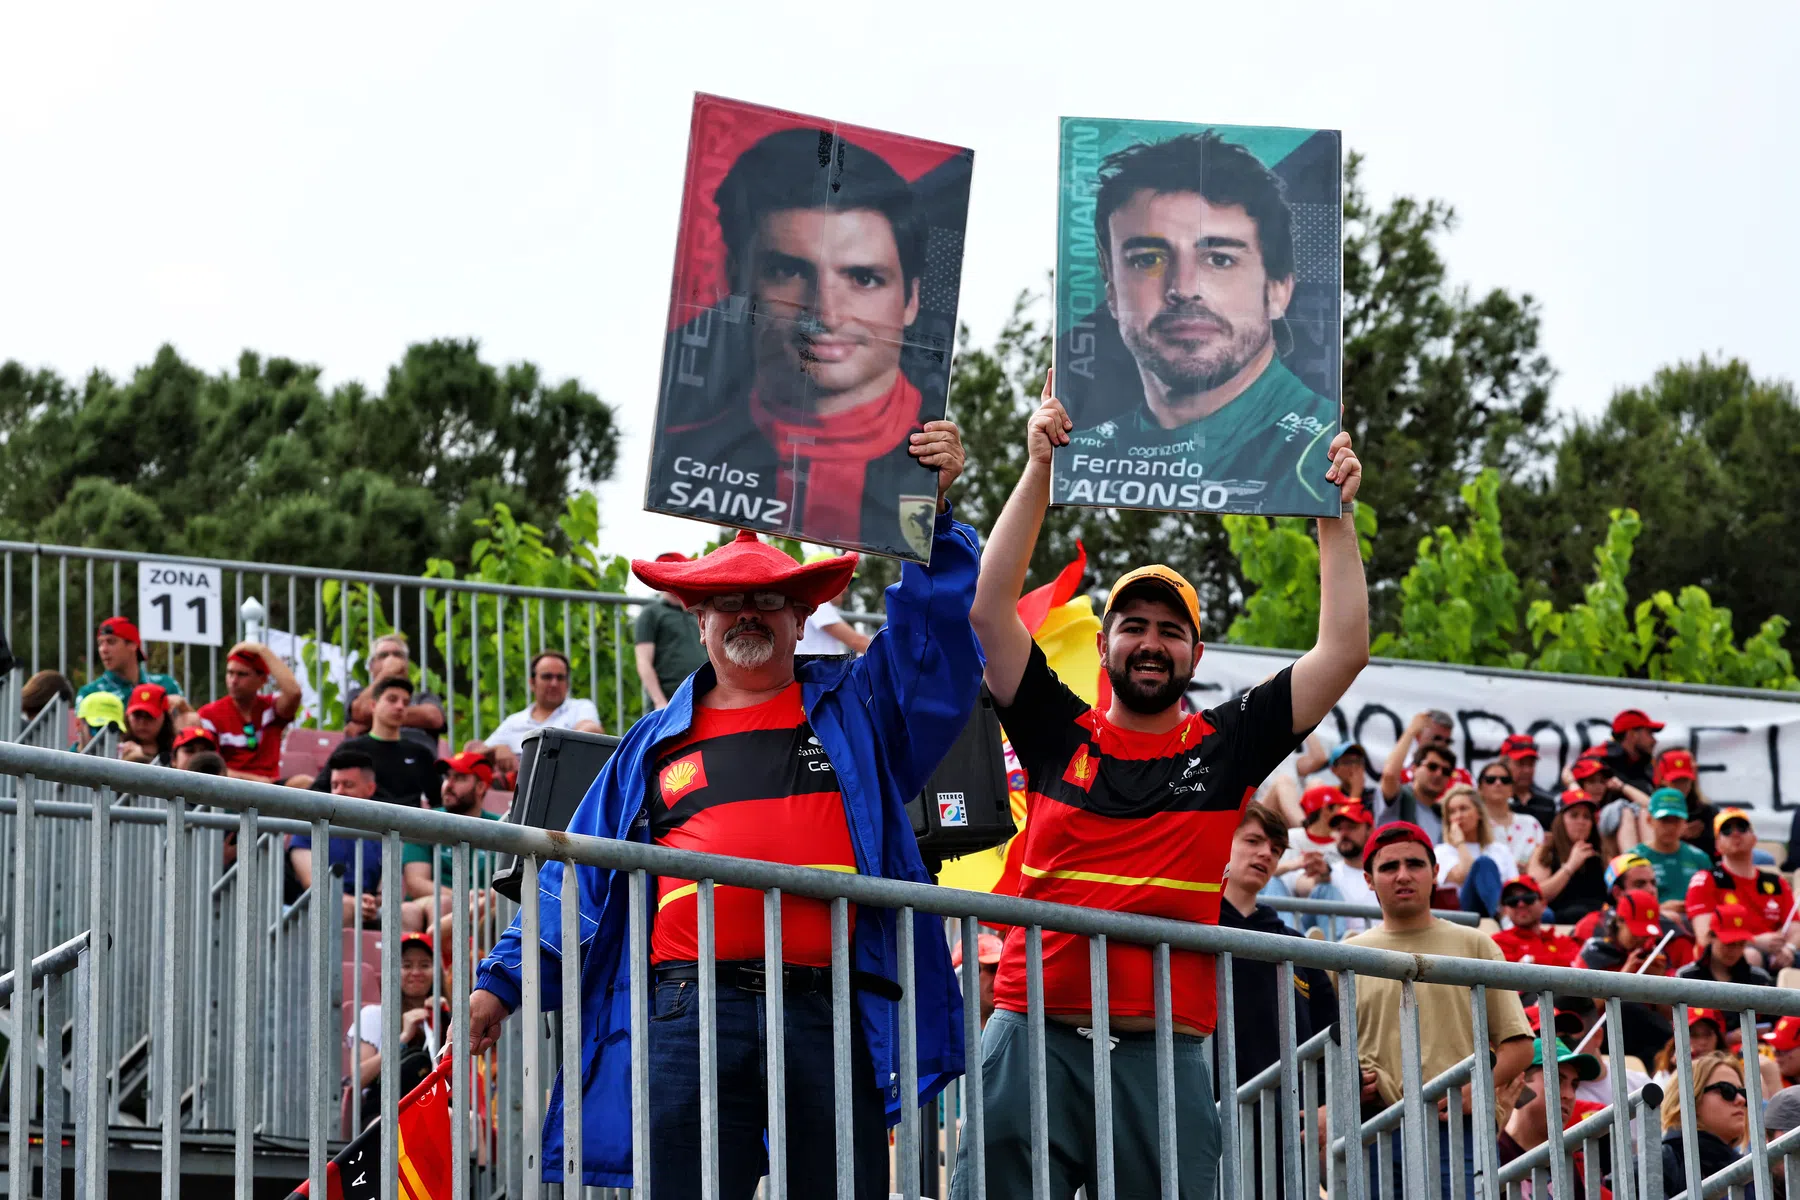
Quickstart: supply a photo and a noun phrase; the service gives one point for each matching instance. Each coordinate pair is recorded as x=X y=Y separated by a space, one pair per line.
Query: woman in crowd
x=1520 y=831
x=420 y=1029
x=1471 y=858
x=1720 y=1113
x=1706 y=1035
x=149 y=727
x=1568 y=866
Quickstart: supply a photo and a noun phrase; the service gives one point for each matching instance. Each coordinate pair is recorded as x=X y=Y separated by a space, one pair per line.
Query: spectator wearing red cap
x=1631 y=754
x=1765 y=896
x=466 y=777
x=1317 y=803
x=1519 y=831
x=1519 y=753
x=668 y=642
x=1784 y=1040
x=1629 y=939
x=1621 y=810
x=149 y=728
x=244 y=722
x=121 y=653
x=1402 y=869
x=1568 y=866
x=1723 y=956
x=191 y=741
x=1255 y=846
x=1342 y=880
x=987 y=961
x=1528 y=939
x=421 y=1029
x=1675 y=769
x=1706 y=1035
x=1629 y=872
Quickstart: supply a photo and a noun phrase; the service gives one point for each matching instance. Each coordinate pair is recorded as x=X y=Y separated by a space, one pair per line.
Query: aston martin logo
x=683 y=775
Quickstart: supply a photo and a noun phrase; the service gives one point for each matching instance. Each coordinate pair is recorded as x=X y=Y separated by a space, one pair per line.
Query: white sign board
x=1747 y=749
x=179 y=602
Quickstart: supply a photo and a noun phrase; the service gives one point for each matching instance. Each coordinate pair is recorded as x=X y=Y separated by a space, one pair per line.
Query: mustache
x=1151 y=658
x=1187 y=311
x=749 y=629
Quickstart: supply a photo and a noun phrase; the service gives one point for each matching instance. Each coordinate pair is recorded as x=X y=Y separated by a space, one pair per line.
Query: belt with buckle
x=752 y=976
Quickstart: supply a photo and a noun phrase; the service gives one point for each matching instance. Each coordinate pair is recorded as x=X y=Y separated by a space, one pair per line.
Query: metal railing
x=245 y=1035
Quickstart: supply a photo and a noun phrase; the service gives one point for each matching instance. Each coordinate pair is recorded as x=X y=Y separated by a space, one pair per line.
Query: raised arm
x=1325 y=672
x=287 y=687
x=1395 y=766
x=995 y=615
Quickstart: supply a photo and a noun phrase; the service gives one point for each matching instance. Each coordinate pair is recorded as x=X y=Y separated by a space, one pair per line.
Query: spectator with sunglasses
x=1767 y=899
x=1518 y=831
x=1721 y=1113
x=551 y=707
x=1519 y=754
x=1420 y=801
x=1529 y=940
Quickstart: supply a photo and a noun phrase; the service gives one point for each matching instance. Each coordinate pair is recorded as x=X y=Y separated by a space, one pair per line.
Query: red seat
x=497 y=802
x=305 y=751
x=371 y=947
x=371 y=982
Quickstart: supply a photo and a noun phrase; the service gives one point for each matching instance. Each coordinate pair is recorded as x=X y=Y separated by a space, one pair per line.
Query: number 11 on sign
x=179 y=602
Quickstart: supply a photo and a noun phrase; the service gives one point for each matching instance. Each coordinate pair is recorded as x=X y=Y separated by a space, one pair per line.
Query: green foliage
x=1602 y=635
x=1281 y=560
x=1460 y=601
x=265 y=463
x=1698 y=646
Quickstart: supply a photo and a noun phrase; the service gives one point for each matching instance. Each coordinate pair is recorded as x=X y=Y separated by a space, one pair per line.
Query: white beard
x=749 y=651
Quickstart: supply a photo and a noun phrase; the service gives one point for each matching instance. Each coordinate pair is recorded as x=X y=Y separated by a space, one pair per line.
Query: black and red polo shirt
x=1766 y=897
x=753 y=783
x=1132 y=822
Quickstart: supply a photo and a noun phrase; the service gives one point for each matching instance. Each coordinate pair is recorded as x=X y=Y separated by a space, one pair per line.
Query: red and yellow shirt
x=1765 y=896
x=753 y=783
x=1132 y=822
x=252 y=746
x=1542 y=946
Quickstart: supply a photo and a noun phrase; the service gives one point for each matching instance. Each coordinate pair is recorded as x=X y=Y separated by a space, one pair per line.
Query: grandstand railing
x=244 y=1029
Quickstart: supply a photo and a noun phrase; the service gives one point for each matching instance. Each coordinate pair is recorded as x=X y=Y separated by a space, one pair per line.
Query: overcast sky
x=331 y=181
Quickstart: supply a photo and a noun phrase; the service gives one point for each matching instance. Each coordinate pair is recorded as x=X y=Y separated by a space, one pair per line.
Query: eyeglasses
x=1733 y=827
x=1516 y=899
x=1730 y=1093
x=1487 y=779
x=559 y=677
x=734 y=602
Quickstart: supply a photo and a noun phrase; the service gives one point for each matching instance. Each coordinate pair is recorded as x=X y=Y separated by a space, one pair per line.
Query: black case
x=964 y=807
x=556 y=768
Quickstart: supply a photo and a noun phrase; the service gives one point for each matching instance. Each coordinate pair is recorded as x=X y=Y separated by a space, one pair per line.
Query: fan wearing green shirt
x=1197 y=249
x=466 y=779
x=1675 y=861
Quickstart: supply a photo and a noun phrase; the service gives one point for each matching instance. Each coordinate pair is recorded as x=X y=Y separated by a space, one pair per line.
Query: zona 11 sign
x=179 y=602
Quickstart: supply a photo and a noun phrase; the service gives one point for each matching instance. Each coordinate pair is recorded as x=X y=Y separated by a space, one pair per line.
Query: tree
x=1437 y=384
x=1709 y=455
x=1280 y=558
x=264 y=463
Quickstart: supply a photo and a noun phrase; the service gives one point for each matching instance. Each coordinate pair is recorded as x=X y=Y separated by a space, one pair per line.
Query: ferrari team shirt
x=753 y=783
x=1766 y=897
x=251 y=745
x=1132 y=822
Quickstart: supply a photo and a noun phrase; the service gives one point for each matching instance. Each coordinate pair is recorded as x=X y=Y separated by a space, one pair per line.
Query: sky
x=331 y=182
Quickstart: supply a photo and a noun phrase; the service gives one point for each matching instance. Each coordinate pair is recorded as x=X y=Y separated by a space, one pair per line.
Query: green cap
x=1667 y=802
x=1587 y=1067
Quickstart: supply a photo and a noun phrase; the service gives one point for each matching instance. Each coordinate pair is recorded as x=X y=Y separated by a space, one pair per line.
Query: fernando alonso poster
x=811 y=328
x=1199 y=337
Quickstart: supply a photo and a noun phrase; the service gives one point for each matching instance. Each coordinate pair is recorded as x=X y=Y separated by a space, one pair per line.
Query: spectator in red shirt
x=1784 y=1039
x=244 y=722
x=1530 y=940
x=1765 y=895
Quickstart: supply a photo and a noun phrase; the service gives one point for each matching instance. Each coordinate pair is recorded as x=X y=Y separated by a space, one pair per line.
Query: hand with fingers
x=1049 y=426
x=1345 y=469
x=939 y=446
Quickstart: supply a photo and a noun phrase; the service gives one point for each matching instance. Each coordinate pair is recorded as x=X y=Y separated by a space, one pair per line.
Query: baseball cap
x=1518 y=746
x=1316 y=798
x=1675 y=764
x=1731 y=923
x=1523 y=883
x=148 y=698
x=1587 y=1067
x=1667 y=802
x=1342 y=748
x=1622 y=863
x=1785 y=1036
x=1697 y=1015
x=1568 y=1024
x=1634 y=718
x=196 y=733
x=101 y=708
x=1637 y=912
x=1355 y=813
x=422 y=940
x=1782 y=1112
x=1587 y=768
x=467 y=763
x=1573 y=797
x=1392 y=834
x=1164 y=578
x=1731 y=814
x=124 y=630
x=987 y=951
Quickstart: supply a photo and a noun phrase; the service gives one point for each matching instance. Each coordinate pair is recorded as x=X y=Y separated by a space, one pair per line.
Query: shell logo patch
x=683 y=775
x=1082 y=769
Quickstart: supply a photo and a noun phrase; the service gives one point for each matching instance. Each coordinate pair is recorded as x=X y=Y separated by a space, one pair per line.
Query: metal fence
x=212 y=1021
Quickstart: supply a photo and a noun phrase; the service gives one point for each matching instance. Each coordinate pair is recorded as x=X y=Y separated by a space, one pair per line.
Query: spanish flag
x=355 y=1174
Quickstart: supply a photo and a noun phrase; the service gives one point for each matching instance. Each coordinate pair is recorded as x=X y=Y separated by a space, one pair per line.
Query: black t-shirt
x=1636 y=772
x=404 y=770
x=1255 y=1002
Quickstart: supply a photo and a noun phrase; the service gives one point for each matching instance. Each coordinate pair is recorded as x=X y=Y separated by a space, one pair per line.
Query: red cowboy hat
x=747 y=564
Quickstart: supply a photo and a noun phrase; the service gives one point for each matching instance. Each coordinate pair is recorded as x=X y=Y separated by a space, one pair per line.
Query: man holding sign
x=1132 y=809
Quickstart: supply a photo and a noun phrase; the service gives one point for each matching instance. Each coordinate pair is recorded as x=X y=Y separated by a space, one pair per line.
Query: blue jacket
x=885 y=720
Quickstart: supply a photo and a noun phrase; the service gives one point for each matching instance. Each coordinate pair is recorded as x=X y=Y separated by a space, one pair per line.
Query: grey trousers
x=1069 y=1096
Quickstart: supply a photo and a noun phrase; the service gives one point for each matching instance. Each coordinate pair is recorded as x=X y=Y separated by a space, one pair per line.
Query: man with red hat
x=465 y=785
x=1131 y=807
x=1632 y=753
x=1766 y=898
x=1401 y=864
x=192 y=741
x=1344 y=879
x=1520 y=753
x=246 y=723
x=1529 y=939
x=121 y=653
x=808 y=763
x=1784 y=1039
x=149 y=731
x=1724 y=956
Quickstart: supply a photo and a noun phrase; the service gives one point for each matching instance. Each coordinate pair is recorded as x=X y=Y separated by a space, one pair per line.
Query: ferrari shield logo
x=918 y=514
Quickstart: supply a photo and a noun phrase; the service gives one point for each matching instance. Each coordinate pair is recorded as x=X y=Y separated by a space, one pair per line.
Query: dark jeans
x=1481 y=888
x=675 y=1133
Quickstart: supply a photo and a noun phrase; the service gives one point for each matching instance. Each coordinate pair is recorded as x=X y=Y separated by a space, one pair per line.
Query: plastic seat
x=497 y=802
x=371 y=982
x=371 y=947
x=305 y=751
